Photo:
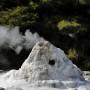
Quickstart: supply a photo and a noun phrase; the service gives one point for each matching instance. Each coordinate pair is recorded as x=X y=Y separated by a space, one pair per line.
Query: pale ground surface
x=46 y=68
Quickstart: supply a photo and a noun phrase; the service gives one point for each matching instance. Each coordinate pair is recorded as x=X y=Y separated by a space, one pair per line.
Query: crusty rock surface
x=46 y=68
x=46 y=62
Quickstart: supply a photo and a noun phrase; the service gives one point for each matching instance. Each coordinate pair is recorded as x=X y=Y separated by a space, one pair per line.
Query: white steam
x=31 y=39
x=12 y=38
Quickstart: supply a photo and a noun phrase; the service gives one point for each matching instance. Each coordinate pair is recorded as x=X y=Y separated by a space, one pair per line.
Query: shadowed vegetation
x=66 y=24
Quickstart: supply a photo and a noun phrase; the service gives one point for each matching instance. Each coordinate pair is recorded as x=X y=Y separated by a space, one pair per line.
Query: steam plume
x=12 y=38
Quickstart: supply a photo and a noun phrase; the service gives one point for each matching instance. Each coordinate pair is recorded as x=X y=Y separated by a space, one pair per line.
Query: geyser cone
x=46 y=62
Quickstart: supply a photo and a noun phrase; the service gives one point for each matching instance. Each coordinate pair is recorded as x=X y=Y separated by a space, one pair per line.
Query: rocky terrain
x=46 y=68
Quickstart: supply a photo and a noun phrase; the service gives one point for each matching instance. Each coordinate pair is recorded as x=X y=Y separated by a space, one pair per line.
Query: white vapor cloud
x=12 y=38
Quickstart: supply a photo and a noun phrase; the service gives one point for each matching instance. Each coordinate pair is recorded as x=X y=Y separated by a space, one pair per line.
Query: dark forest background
x=65 y=23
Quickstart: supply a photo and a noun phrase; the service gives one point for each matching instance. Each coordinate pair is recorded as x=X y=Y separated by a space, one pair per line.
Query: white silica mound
x=46 y=68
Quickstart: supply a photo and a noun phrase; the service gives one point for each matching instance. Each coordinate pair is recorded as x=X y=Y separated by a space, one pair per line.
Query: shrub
x=72 y=54
x=18 y=16
x=65 y=24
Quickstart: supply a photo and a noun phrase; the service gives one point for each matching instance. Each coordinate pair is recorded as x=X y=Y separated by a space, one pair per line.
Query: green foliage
x=45 y=1
x=17 y=16
x=33 y=5
x=72 y=54
x=71 y=27
x=65 y=24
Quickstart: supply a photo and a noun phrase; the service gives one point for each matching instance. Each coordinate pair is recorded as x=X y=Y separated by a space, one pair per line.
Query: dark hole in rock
x=51 y=62
x=41 y=44
x=53 y=85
